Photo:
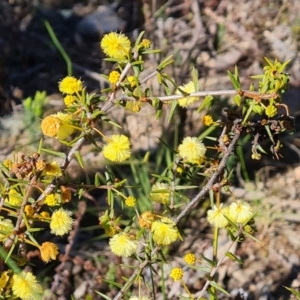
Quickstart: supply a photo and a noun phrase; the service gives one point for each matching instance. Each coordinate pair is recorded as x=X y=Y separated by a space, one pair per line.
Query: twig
x=212 y=179
x=20 y=220
x=214 y=270
x=248 y=94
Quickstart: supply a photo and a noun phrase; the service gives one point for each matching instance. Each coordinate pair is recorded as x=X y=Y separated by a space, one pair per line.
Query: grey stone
x=102 y=21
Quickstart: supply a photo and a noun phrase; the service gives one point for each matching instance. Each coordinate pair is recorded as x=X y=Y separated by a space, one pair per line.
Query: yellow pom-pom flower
x=40 y=165
x=164 y=231
x=176 y=274
x=5 y=281
x=6 y=228
x=192 y=150
x=207 y=120
x=29 y=211
x=48 y=251
x=133 y=81
x=216 y=216
x=69 y=100
x=45 y=215
x=57 y=125
x=186 y=101
x=271 y=111
x=190 y=258
x=50 y=126
x=117 y=148
x=61 y=222
x=26 y=287
x=115 y=45
x=123 y=245
x=160 y=193
x=14 y=198
x=8 y=163
x=146 y=219
x=113 y=77
x=51 y=200
x=179 y=170
x=111 y=230
x=70 y=85
x=145 y=43
x=52 y=170
x=130 y=201
x=240 y=211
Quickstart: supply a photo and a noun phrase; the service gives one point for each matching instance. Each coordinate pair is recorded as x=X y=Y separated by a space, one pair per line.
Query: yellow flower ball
x=26 y=287
x=113 y=77
x=186 y=101
x=52 y=170
x=123 y=245
x=111 y=230
x=48 y=251
x=45 y=215
x=66 y=128
x=192 y=150
x=69 y=100
x=146 y=219
x=240 y=211
x=145 y=43
x=207 y=120
x=61 y=222
x=7 y=163
x=57 y=125
x=164 y=231
x=5 y=280
x=176 y=274
x=130 y=201
x=133 y=81
x=117 y=148
x=115 y=45
x=51 y=200
x=70 y=85
x=216 y=216
x=40 y=165
x=14 y=198
x=6 y=227
x=160 y=193
x=29 y=211
x=190 y=258
x=271 y=111
x=50 y=126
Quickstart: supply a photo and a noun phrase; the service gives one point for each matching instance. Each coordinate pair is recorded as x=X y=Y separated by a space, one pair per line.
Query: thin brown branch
x=212 y=179
x=20 y=221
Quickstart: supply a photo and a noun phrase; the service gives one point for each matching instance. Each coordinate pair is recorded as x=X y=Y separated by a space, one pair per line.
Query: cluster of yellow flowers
x=238 y=212
x=164 y=232
x=188 y=88
x=80 y=115
x=58 y=125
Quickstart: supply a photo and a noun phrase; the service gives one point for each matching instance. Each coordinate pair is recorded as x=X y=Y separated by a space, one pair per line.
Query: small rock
x=104 y=20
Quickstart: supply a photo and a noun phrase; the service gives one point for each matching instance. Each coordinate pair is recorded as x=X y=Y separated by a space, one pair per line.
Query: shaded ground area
x=213 y=36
